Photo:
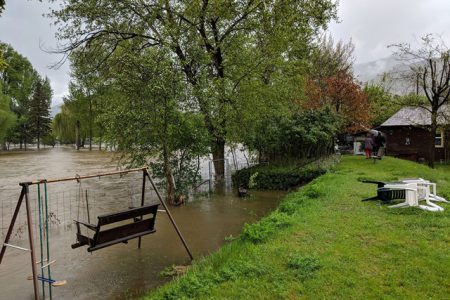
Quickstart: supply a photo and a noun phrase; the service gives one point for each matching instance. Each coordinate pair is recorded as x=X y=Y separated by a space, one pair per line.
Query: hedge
x=267 y=177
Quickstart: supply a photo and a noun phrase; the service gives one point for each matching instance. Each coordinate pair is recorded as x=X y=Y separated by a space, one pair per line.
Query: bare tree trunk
x=77 y=135
x=90 y=122
x=432 y=150
x=218 y=152
x=170 y=184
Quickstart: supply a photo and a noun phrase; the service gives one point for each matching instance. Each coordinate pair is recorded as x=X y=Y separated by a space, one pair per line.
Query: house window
x=439 y=138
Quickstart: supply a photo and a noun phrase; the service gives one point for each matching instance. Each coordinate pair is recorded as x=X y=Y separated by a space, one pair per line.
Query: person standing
x=368 y=145
x=379 y=142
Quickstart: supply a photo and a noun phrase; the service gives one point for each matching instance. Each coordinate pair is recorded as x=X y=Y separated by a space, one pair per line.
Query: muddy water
x=119 y=271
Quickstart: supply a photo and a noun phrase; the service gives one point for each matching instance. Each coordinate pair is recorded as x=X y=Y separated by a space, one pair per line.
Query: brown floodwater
x=120 y=271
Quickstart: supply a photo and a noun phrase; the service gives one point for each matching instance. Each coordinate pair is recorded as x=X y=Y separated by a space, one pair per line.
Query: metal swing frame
x=24 y=195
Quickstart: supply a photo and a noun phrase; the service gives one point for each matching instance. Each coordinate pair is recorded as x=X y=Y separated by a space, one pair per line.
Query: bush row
x=267 y=177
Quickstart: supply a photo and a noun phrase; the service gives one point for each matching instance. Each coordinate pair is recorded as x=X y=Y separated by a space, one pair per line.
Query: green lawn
x=323 y=242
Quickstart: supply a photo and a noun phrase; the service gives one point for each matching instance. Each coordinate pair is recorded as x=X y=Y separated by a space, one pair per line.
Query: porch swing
x=117 y=231
x=142 y=223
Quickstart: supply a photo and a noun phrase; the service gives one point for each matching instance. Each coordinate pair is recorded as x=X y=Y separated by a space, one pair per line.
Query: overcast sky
x=374 y=24
x=371 y=24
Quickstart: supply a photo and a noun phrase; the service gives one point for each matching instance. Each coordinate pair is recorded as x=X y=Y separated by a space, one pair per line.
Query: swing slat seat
x=119 y=234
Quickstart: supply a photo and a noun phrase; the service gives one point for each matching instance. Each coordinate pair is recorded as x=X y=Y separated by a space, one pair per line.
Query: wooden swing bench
x=119 y=234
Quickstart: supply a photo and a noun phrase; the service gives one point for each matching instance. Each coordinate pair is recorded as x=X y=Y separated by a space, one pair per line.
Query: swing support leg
x=169 y=215
x=11 y=225
x=30 y=237
x=142 y=201
x=23 y=194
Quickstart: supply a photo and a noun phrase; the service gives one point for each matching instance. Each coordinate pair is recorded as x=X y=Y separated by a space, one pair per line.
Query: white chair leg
x=403 y=204
x=434 y=207
x=438 y=199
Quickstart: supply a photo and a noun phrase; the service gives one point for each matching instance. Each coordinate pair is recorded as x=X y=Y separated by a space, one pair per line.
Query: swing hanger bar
x=78 y=177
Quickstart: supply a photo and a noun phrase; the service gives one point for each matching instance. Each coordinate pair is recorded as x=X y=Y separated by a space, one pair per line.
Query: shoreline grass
x=323 y=242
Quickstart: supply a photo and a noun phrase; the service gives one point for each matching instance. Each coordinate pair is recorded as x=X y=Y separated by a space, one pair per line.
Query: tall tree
x=7 y=118
x=64 y=124
x=429 y=69
x=346 y=98
x=18 y=79
x=330 y=58
x=2 y=6
x=217 y=44
x=146 y=116
x=39 y=120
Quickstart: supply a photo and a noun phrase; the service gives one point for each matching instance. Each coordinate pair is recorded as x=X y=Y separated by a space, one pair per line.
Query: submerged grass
x=323 y=242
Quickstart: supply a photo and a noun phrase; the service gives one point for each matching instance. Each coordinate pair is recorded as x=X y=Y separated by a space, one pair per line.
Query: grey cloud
x=375 y=24
x=23 y=26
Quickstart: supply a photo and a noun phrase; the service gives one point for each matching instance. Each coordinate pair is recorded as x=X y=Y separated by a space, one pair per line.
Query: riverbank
x=323 y=242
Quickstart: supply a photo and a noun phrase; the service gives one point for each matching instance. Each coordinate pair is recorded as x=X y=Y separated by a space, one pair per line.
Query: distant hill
x=370 y=71
x=374 y=71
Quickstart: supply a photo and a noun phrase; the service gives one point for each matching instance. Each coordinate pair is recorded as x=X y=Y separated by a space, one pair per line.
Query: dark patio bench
x=122 y=232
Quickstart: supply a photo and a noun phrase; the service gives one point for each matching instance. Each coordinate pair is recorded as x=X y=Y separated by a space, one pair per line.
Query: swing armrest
x=90 y=226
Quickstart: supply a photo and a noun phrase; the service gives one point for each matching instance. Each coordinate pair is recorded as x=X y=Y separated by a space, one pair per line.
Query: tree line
x=25 y=100
x=169 y=82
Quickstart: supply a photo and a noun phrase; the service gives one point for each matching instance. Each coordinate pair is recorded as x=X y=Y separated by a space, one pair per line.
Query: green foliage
x=39 y=121
x=329 y=58
x=304 y=266
x=233 y=61
x=49 y=140
x=281 y=177
x=382 y=104
x=169 y=271
x=199 y=282
x=145 y=114
x=303 y=135
x=7 y=118
x=63 y=125
x=19 y=79
x=251 y=180
x=259 y=232
x=3 y=63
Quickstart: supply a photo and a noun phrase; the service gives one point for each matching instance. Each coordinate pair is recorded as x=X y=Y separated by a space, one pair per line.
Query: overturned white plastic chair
x=413 y=192
x=432 y=196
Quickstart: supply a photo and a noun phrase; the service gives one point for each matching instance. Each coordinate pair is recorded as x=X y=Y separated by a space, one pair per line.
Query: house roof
x=417 y=116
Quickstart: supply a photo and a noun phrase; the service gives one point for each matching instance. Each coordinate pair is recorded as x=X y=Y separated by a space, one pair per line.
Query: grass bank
x=323 y=242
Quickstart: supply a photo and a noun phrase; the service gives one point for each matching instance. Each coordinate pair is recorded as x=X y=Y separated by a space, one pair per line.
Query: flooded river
x=122 y=270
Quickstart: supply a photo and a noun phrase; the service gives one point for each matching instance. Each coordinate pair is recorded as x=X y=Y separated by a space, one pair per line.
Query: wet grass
x=323 y=242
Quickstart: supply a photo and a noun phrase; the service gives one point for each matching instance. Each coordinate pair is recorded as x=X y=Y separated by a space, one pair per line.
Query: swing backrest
x=118 y=234
x=140 y=225
x=127 y=214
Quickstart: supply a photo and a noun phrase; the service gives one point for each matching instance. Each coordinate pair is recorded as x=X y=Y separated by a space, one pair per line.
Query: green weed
x=261 y=231
x=304 y=266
